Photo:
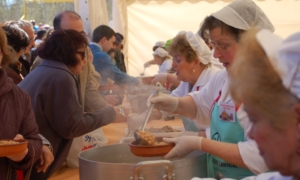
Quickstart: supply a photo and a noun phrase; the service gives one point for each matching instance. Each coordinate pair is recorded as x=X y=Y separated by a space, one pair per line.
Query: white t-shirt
x=269 y=176
x=263 y=176
x=204 y=100
x=165 y=66
x=184 y=87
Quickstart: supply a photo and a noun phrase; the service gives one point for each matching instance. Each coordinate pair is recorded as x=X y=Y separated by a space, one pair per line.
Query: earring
x=194 y=71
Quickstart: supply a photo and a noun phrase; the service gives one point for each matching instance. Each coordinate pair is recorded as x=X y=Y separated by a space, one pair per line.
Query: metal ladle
x=136 y=136
x=143 y=73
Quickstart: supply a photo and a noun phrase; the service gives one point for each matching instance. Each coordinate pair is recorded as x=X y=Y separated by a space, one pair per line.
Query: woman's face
x=225 y=46
x=158 y=60
x=277 y=147
x=81 y=56
x=184 y=70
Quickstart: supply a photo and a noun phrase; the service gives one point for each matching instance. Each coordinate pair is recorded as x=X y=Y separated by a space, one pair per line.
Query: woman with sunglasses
x=232 y=154
x=55 y=92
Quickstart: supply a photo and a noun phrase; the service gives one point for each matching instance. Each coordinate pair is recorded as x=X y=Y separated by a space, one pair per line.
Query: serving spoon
x=143 y=73
x=157 y=90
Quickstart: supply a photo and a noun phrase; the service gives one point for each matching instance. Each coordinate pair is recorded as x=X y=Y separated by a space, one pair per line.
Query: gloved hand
x=189 y=133
x=183 y=146
x=147 y=64
x=165 y=102
x=161 y=78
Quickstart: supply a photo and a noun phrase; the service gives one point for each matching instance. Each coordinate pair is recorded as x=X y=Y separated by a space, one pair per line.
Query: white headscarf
x=199 y=46
x=289 y=58
x=284 y=56
x=244 y=14
x=160 y=52
x=160 y=44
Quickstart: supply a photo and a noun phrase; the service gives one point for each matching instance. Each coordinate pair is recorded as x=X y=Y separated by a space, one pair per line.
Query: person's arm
x=69 y=119
x=46 y=157
x=108 y=70
x=166 y=77
x=172 y=78
x=186 y=144
x=186 y=107
x=149 y=63
x=226 y=151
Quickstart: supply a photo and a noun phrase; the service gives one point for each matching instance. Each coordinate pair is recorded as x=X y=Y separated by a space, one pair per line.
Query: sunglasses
x=83 y=54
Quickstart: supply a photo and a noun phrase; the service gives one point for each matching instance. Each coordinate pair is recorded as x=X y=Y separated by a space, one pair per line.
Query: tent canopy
x=144 y=22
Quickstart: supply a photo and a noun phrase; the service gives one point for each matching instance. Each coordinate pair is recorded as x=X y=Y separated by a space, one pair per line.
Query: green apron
x=230 y=132
x=189 y=125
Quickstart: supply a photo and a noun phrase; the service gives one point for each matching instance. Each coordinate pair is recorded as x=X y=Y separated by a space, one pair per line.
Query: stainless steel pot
x=116 y=162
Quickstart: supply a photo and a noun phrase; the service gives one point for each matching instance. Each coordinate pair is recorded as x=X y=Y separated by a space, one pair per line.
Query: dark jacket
x=17 y=117
x=25 y=67
x=120 y=62
x=13 y=72
x=55 y=94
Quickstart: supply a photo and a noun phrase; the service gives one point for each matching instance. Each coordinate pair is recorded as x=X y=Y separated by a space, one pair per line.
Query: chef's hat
x=160 y=44
x=244 y=14
x=199 y=46
x=284 y=56
x=160 y=52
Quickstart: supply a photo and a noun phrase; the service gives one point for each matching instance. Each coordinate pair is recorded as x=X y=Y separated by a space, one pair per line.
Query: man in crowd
x=103 y=40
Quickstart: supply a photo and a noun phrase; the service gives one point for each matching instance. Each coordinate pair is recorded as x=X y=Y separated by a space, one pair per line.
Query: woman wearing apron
x=232 y=153
x=192 y=63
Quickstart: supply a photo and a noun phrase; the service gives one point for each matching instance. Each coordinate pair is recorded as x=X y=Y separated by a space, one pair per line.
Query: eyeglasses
x=83 y=54
x=220 y=47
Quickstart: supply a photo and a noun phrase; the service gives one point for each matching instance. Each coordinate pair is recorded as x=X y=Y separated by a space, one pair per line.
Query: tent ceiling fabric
x=92 y=12
x=145 y=22
x=49 y=1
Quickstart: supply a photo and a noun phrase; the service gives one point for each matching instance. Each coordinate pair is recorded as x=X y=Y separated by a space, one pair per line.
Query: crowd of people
x=235 y=86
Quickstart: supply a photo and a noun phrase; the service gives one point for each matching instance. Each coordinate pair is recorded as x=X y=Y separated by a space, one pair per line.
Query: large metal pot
x=116 y=162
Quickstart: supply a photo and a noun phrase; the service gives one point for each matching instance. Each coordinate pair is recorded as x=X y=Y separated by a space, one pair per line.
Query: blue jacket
x=104 y=65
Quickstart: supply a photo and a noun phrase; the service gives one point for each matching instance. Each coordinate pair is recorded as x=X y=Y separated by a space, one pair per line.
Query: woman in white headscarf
x=271 y=98
x=193 y=66
x=162 y=59
x=232 y=153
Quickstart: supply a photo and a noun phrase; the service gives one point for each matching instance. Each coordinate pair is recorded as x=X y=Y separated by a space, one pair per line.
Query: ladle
x=143 y=73
x=157 y=90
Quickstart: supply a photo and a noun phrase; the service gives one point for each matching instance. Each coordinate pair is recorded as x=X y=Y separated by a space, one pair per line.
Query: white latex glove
x=161 y=78
x=189 y=133
x=147 y=64
x=165 y=102
x=183 y=146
